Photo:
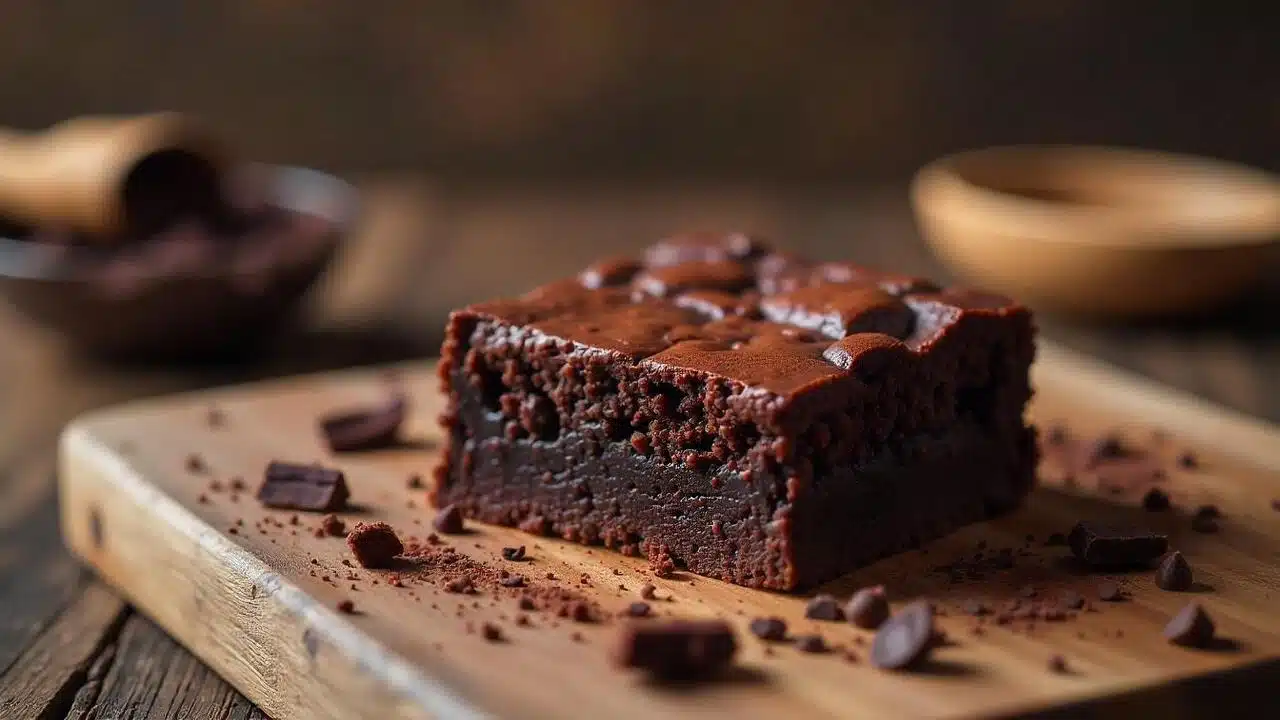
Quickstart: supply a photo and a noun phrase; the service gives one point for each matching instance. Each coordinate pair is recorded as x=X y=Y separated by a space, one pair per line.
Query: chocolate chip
x=677 y=649
x=905 y=639
x=364 y=428
x=769 y=628
x=1188 y=461
x=648 y=591
x=448 y=520
x=638 y=609
x=1106 y=546
x=461 y=584
x=822 y=607
x=288 y=486
x=1191 y=627
x=375 y=544
x=1204 y=524
x=1155 y=500
x=868 y=608
x=1057 y=664
x=1071 y=600
x=1174 y=573
x=491 y=632
x=811 y=644
x=513 y=553
x=977 y=608
x=1109 y=592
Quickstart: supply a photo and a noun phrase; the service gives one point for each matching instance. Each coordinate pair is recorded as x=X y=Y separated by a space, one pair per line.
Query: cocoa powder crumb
x=332 y=525
x=648 y=591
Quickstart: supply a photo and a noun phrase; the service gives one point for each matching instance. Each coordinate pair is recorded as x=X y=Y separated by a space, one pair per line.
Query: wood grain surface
x=424 y=248
x=255 y=595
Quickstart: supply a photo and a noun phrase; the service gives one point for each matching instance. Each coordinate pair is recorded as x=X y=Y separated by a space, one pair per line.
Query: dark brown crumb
x=1188 y=461
x=575 y=636
x=522 y=620
x=202 y=499
x=811 y=644
x=1208 y=511
x=196 y=464
x=461 y=584
x=449 y=521
x=333 y=526
x=769 y=628
x=580 y=612
x=648 y=591
x=1057 y=664
x=214 y=417
x=514 y=554
x=1174 y=573
x=415 y=482
x=233 y=531
x=1204 y=524
x=1156 y=500
x=638 y=609
x=513 y=581
x=237 y=484
x=526 y=603
x=346 y=606
x=491 y=632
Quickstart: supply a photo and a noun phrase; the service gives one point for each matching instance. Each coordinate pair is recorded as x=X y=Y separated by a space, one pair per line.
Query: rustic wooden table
x=69 y=647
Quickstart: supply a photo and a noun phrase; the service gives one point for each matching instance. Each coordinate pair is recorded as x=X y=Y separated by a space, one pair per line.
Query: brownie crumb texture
x=375 y=545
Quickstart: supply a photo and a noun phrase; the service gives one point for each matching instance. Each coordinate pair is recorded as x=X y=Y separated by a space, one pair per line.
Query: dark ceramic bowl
x=211 y=309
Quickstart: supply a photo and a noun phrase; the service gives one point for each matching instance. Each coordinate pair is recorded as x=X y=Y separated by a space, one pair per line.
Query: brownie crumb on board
x=367 y=428
x=514 y=554
x=1156 y=500
x=289 y=486
x=867 y=608
x=1057 y=664
x=214 y=417
x=1188 y=461
x=1191 y=627
x=905 y=639
x=1105 y=546
x=415 y=482
x=823 y=607
x=346 y=606
x=1174 y=573
x=513 y=581
x=449 y=520
x=660 y=561
x=196 y=464
x=332 y=525
x=648 y=591
x=638 y=609
x=676 y=649
x=773 y=629
x=811 y=644
x=374 y=544
x=491 y=632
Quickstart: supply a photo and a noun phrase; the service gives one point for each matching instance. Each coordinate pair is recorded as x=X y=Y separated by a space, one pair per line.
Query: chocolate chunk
x=638 y=609
x=491 y=632
x=1204 y=524
x=822 y=607
x=460 y=584
x=364 y=428
x=648 y=591
x=1156 y=500
x=374 y=544
x=769 y=628
x=514 y=554
x=1174 y=573
x=288 y=486
x=1057 y=664
x=1104 y=546
x=1188 y=461
x=333 y=525
x=868 y=608
x=1071 y=600
x=811 y=644
x=1191 y=627
x=678 y=649
x=1109 y=591
x=448 y=520
x=905 y=639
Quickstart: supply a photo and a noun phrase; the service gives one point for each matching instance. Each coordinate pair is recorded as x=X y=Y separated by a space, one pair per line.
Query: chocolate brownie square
x=753 y=416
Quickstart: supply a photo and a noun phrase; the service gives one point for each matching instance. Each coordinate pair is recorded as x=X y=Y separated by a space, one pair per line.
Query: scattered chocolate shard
x=773 y=629
x=1174 y=573
x=905 y=639
x=514 y=554
x=1191 y=627
x=823 y=607
x=289 y=486
x=868 y=608
x=365 y=428
x=677 y=649
x=491 y=632
x=374 y=545
x=1106 y=546
x=1208 y=511
x=638 y=609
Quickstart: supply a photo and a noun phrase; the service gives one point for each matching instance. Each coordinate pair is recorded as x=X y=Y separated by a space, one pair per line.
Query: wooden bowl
x=1101 y=231
x=204 y=313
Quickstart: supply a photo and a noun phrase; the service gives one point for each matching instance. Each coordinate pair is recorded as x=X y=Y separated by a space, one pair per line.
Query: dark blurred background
x=583 y=89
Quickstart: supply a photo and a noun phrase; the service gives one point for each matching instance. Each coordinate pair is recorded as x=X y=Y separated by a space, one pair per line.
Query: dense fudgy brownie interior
x=757 y=417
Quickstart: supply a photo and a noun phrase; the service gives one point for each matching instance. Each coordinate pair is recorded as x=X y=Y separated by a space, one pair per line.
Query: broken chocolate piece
x=1105 y=546
x=638 y=609
x=678 y=649
x=1191 y=627
x=513 y=581
x=769 y=628
x=288 y=486
x=648 y=591
x=1156 y=500
x=868 y=608
x=374 y=544
x=1174 y=573
x=822 y=607
x=448 y=520
x=514 y=554
x=811 y=644
x=364 y=428
x=905 y=639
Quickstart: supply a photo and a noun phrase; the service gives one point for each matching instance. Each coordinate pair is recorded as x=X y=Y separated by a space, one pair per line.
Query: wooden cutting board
x=257 y=601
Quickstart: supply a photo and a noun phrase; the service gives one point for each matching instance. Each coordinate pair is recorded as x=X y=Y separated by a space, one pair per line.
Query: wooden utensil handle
x=76 y=174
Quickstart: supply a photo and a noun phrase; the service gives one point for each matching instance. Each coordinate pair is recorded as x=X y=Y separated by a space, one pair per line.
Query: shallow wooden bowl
x=1101 y=231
